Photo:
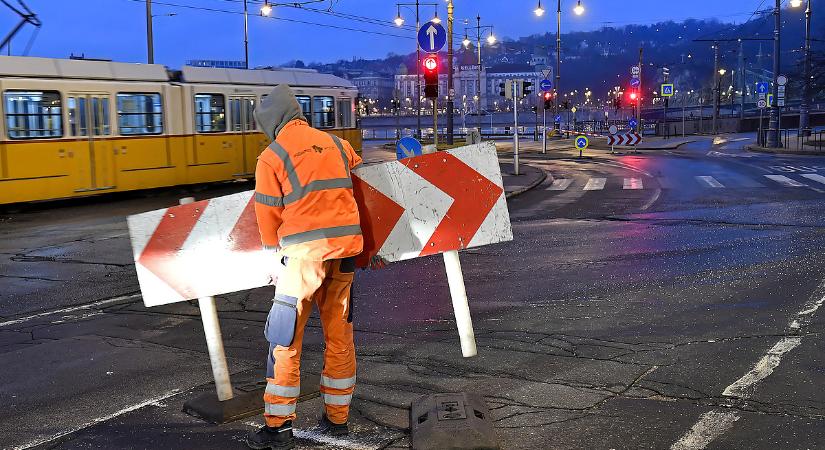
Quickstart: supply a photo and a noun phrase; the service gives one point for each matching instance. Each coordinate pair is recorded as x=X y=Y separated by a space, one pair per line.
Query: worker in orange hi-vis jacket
x=308 y=218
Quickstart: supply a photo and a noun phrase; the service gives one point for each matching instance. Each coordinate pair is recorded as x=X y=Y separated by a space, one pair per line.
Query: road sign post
x=516 y=95
x=581 y=142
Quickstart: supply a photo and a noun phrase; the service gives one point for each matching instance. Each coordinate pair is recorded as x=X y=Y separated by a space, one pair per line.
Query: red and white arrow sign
x=624 y=139
x=415 y=207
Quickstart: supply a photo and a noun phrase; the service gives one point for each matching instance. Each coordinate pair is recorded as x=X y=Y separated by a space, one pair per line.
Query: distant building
x=501 y=73
x=216 y=64
x=376 y=89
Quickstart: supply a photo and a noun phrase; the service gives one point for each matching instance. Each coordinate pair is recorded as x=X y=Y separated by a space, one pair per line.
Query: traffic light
x=548 y=100
x=632 y=98
x=431 y=76
x=502 y=89
x=526 y=88
x=507 y=89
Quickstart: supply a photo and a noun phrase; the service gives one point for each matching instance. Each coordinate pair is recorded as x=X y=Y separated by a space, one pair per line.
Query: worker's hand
x=378 y=262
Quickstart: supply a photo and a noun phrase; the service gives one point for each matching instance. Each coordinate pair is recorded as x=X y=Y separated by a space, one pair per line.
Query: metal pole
x=435 y=123
x=516 y=94
x=557 y=88
x=246 y=33
x=544 y=133
x=804 y=107
x=450 y=87
x=683 y=118
x=150 y=38
x=641 y=92
x=478 y=85
x=417 y=74
x=214 y=340
x=773 y=126
x=741 y=81
x=716 y=81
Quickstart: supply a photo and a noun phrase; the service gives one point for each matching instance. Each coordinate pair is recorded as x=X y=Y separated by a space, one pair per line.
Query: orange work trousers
x=329 y=285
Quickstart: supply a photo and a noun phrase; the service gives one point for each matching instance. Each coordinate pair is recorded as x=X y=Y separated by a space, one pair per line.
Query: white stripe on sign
x=560 y=184
x=710 y=182
x=784 y=181
x=633 y=183
x=713 y=423
x=595 y=184
x=815 y=177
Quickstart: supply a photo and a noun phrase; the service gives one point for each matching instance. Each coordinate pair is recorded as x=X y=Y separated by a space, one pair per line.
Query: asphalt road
x=665 y=299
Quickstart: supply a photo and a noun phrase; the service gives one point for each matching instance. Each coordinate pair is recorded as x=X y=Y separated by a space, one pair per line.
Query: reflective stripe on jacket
x=303 y=195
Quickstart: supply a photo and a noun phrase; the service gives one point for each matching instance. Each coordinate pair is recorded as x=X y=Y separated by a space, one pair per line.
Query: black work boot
x=332 y=429
x=267 y=437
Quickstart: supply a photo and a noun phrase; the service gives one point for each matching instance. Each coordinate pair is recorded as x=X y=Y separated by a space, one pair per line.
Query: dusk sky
x=116 y=29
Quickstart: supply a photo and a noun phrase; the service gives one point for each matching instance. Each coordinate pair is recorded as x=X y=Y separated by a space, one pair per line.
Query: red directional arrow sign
x=416 y=207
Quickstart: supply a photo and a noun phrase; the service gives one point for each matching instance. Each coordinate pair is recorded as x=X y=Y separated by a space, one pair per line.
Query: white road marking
x=70 y=309
x=633 y=183
x=785 y=181
x=560 y=184
x=814 y=176
x=136 y=406
x=315 y=436
x=715 y=423
x=595 y=184
x=711 y=425
x=710 y=181
x=652 y=200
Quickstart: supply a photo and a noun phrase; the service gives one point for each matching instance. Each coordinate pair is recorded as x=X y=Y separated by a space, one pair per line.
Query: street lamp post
x=539 y=11
x=400 y=21
x=450 y=74
x=150 y=38
x=491 y=39
x=804 y=106
x=266 y=10
x=773 y=125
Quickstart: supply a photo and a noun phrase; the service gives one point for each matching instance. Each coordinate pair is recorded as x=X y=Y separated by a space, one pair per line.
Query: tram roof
x=264 y=77
x=25 y=66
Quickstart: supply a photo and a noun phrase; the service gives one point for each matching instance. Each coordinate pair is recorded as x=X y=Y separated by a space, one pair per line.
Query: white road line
x=714 y=423
x=633 y=183
x=710 y=181
x=652 y=200
x=105 y=418
x=785 y=181
x=815 y=177
x=711 y=425
x=595 y=184
x=560 y=184
x=105 y=302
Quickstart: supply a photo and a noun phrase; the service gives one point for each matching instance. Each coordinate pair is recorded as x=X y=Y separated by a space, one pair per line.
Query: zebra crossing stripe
x=710 y=181
x=633 y=183
x=560 y=184
x=595 y=184
x=814 y=177
x=785 y=181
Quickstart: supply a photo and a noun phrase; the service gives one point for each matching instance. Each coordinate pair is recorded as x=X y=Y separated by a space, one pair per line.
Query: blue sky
x=116 y=29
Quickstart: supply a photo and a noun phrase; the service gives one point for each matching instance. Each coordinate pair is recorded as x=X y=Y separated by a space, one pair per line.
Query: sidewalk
x=564 y=147
x=792 y=147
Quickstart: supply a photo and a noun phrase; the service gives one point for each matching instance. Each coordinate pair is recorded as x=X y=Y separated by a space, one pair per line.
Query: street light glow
x=722 y=71
x=266 y=9
x=491 y=39
x=466 y=41
x=436 y=19
x=579 y=9
x=539 y=10
x=399 y=21
x=796 y=3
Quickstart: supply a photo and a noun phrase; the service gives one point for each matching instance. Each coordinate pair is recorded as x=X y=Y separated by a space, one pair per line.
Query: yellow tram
x=73 y=128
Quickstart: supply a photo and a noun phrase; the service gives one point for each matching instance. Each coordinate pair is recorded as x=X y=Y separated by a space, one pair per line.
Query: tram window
x=33 y=114
x=323 y=115
x=210 y=113
x=345 y=112
x=139 y=114
x=306 y=106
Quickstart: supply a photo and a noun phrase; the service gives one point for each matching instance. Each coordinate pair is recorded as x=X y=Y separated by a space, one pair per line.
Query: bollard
x=461 y=307
x=214 y=340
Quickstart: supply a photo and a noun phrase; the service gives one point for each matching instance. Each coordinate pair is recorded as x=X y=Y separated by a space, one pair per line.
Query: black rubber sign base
x=451 y=421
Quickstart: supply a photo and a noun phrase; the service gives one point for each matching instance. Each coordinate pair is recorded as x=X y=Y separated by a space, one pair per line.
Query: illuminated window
x=33 y=114
x=210 y=113
x=139 y=114
x=323 y=112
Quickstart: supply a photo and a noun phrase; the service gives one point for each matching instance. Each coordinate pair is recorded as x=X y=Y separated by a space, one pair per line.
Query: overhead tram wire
x=284 y=19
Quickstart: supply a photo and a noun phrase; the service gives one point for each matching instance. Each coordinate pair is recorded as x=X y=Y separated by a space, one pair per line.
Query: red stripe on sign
x=161 y=252
x=473 y=198
x=245 y=236
x=379 y=215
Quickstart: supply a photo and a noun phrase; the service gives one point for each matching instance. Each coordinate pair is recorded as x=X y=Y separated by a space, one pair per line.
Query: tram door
x=252 y=142
x=90 y=126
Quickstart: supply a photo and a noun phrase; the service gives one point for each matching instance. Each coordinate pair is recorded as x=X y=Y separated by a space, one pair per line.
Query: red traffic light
x=633 y=95
x=430 y=63
x=548 y=95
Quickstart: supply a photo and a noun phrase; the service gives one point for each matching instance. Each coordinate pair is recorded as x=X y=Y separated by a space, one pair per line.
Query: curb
x=782 y=151
x=531 y=186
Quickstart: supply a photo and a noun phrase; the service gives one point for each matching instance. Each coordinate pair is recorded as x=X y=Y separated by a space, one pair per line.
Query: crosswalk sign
x=667 y=90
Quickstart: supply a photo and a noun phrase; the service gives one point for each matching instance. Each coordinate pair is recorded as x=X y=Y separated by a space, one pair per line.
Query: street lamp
x=491 y=39
x=804 y=106
x=539 y=11
x=266 y=9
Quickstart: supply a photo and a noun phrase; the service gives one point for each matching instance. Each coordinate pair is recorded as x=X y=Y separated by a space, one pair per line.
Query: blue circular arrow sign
x=432 y=37
x=546 y=85
x=407 y=147
x=582 y=142
x=635 y=82
x=632 y=122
